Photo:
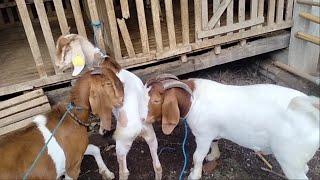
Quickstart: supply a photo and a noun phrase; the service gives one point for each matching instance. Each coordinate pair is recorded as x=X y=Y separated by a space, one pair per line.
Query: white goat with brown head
x=265 y=118
x=131 y=115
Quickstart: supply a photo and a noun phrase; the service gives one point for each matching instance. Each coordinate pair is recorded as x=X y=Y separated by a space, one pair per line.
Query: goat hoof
x=124 y=175
x=212 y=157
x=158 y=173
x=194 y=176
x=106 y=174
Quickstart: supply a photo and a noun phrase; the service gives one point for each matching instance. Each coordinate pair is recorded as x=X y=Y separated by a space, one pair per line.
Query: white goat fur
x=265 y=118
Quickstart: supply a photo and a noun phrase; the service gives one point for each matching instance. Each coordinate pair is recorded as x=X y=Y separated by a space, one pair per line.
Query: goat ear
x=170 y=112
x=99 y=106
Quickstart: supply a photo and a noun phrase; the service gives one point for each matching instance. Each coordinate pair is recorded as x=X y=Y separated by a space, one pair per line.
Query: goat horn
x=166 y=76
x=176 y=84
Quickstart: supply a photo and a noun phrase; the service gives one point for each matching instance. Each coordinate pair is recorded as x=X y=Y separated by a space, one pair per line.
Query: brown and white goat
x=130 y=117
x=96 y=93
x=265 y=118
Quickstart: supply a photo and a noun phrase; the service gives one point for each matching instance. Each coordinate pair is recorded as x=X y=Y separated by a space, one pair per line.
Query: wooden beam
x=170 y=24
x=22 y=98
x=23 y=106
x=271 y=11
x=126 y=37
x=230 y=28
x=24 y=114
x=309 y=2
x=280 y=9
x=61 y=17
x=242 y=17
x=260 y=10
x=223 y=6
x=15 y=126
x=197 y=19
x=31 y=37
x=142 y=26
x=289 y=8
x=185 y=21
x=125 y=9
x=156 y=25
x=215 y=9
x=47 y=33
x=96 y=23
x=308 y=37
x=310 y=17
x=253 y=10
x=78 y=17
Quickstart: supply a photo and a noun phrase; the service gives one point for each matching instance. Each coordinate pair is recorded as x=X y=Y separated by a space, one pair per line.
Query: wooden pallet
x=19 y=111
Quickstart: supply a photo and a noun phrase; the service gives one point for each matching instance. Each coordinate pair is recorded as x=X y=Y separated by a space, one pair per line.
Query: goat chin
x=265 y=118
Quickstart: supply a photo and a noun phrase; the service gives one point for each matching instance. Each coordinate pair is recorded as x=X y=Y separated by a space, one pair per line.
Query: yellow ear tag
x=78 y=65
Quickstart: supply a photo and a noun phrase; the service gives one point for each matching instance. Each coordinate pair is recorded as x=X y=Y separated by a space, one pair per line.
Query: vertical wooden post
x=31 y=37
x=97 y=30
x=217 y=49
x=289 y=8
x=142 y=26
x=197 y=18
x=185 y=21
x=125 y=9
x=230 y=15
x=260 y=10
x=46 y=30
x=78 y=18
x=280 y=9
x=271 y=11
x=126 y=37
x=204 y=14
x=113 y=28
x=156 y=25
x=253 y=10
x=9 y=13
x=170 y=24
x=61 y=16
x=242 y=14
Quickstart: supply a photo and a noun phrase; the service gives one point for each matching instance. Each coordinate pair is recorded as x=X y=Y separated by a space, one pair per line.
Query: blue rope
x=185 y=155
x=96 y=25
x=170 y=149
x=69 y=108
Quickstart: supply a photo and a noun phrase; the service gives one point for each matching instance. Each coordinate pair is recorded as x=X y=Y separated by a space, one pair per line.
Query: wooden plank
x=31 y=37
x=280 y=9
x=197 y=19
x=218 y=12
x=260 y=10
x=185 y=21
x=126 y=37
x=240 y=35
x=15 y=126
x=242 y=17
x=78 y=18
x=9 y=13
x=271 y=12
x=125 y=9
x=308 y=37
x=309 y=2
x=310 y=17
x=142 y=26
x=174 y=52
x=233 y=27
x=170 y=24
x=23 y=106
x=253 y=10
x=230 y=15
x=204 y=14
x=46 y=30
x=289 y=10
x=210 y=59
x=61 y=16
x=20 y=99
x=156 y=25
x=97 y=27
x=215 y=8
x=24 y=114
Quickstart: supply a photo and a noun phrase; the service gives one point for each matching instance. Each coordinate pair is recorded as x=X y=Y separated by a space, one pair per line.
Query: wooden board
x=61 y=16
x=126 y=37
x=21 y=99
x=185 y=21
x=170 y=24
x=15 y=126
x=156 y=25
x=142 y=26
x=78 y=17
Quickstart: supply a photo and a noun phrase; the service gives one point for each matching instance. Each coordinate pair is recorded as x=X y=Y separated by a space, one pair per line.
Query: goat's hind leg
x=122 y=149
x=103 y=170
x=215 y=152
x=149 y=135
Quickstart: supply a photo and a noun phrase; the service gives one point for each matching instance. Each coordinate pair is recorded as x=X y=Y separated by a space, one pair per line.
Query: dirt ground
x=235 y=162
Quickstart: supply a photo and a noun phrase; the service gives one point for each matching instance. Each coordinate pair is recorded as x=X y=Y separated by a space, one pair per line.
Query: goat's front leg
x=122 y=149
x=103 y=170
x=149 y=135
x=215 y=152
x=203 y=146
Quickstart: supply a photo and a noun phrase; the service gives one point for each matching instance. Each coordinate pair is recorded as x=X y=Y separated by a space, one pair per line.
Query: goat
x=265 y=118
x=130 y=117
x=98 y=93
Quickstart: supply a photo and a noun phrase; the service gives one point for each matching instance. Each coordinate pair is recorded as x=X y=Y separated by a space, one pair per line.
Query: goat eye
x=156 y=101
x=108 y=83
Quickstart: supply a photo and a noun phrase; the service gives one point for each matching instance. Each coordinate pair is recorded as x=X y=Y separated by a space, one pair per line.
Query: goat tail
x=308 y=105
